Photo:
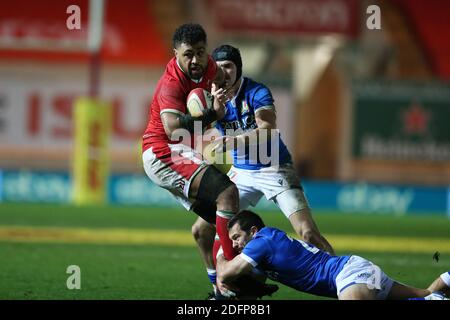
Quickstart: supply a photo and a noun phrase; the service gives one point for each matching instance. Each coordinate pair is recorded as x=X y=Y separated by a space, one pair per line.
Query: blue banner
x=126 y=189
x=138 y=190
x=30 y=186
x=1 y=185
x=374 y=198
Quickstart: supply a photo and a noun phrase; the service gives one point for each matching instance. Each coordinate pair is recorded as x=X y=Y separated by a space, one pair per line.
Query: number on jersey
x=306 y=245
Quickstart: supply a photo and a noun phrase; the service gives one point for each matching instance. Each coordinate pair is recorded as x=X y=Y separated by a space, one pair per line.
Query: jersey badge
x=244 y=107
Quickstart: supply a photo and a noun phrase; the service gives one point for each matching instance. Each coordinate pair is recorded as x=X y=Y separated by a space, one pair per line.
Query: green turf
x=38 y=271
x=163 y=218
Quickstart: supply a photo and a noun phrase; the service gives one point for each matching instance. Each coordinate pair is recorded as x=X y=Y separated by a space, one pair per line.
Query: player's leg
x=294 y=205
x=358 y=292
x=360 y=279
x=204 y=183
x=182 y=171
x=212 y=185
x=247 y=197
x=400 y=291
x=249 y=287
x=227 y=206
x=204 y=234
x=304 y=225
x=441 y=284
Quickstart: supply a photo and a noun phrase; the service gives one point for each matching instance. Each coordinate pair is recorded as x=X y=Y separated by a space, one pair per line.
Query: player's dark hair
x=189 y=33
x=227 y=52
x=246 y=219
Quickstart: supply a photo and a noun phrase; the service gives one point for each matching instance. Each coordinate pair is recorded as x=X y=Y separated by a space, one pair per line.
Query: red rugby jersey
x=170 y=95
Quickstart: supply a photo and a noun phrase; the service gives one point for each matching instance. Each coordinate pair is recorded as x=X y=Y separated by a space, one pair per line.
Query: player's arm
x=228 y=271
x=173 y=121
x=266 y=120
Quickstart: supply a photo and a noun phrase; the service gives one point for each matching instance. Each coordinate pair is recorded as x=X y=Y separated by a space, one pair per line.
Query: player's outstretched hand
x=220 y=98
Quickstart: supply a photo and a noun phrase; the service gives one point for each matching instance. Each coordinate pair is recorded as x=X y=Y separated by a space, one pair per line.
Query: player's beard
x=196 y=72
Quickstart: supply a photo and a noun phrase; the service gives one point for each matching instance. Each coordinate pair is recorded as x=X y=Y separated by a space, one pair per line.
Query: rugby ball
x=198 y=100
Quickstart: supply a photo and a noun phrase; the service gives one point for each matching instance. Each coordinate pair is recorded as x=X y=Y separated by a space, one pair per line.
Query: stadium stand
x=429 y=19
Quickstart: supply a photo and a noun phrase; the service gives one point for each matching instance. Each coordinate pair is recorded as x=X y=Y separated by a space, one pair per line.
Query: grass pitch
x=148 y=253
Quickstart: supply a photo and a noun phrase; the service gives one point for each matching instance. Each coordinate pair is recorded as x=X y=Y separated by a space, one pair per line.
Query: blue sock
x=212 y=275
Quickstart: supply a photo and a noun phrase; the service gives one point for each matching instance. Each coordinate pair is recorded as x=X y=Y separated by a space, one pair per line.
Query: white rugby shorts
x=358 y=270
x=278 y=183
x=174 y=170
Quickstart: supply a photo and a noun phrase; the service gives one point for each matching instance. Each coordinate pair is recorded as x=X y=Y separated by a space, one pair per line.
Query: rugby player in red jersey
x=169 y=156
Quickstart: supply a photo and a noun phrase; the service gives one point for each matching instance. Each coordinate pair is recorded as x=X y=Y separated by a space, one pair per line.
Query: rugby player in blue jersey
x=262 y=164
x=304 y=267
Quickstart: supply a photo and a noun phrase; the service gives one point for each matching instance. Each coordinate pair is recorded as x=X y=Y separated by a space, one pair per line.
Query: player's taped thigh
x=213 y=183
x=291 y=201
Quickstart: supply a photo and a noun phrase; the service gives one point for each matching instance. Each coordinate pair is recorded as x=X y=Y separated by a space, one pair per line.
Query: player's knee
x=307 y=235
x=196 y=231
x=202 y=231
x=310 y=236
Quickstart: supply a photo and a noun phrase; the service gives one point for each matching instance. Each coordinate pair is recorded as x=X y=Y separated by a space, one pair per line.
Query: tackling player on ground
x=306 y=268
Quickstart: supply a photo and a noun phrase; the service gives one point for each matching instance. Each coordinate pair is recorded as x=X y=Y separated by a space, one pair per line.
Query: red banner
x=287 y=16
x=130 y=35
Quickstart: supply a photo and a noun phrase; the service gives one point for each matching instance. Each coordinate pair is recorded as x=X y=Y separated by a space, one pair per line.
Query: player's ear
x=175 y=52
x=253 y=230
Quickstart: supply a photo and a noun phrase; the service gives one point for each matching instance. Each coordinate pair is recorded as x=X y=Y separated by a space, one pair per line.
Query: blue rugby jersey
x=240 y=116
x=293 y=262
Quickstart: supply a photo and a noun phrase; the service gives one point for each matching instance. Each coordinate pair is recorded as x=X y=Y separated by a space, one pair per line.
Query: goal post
x=92 y=122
